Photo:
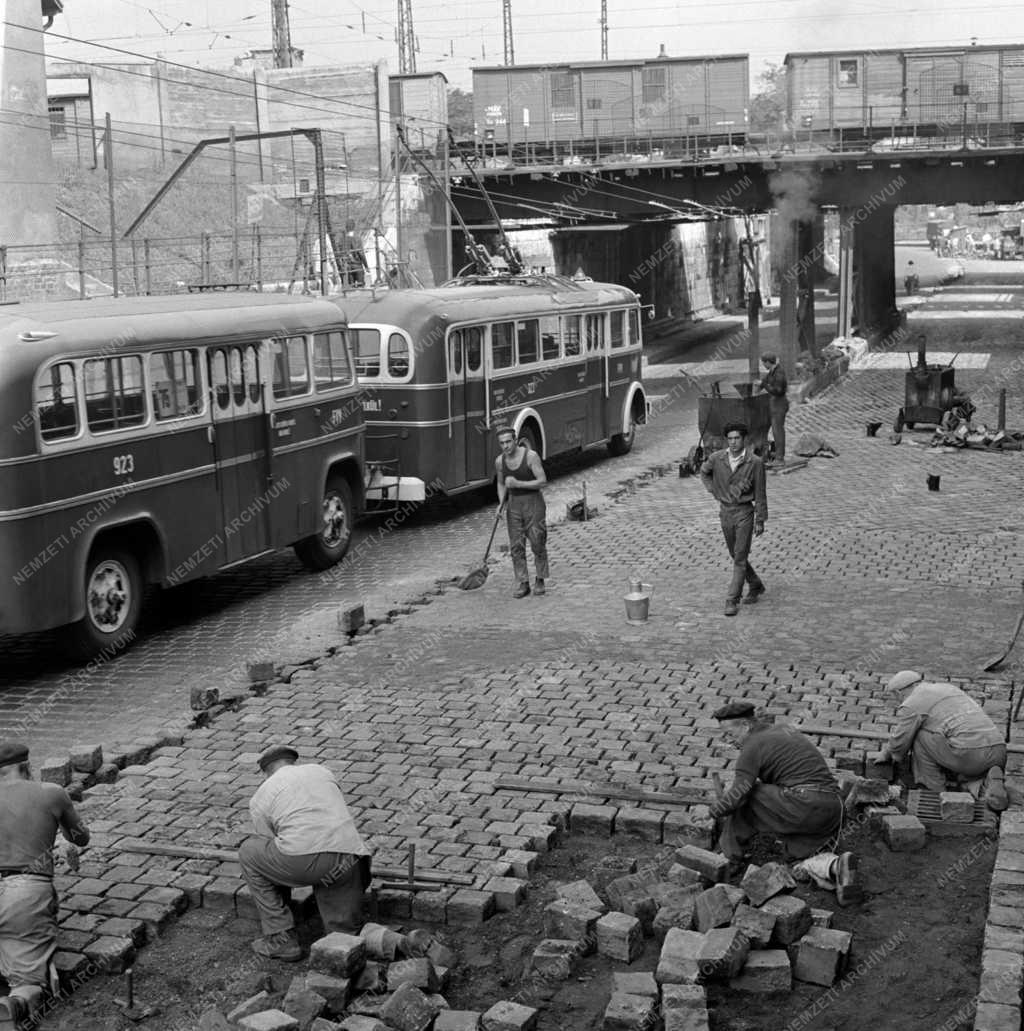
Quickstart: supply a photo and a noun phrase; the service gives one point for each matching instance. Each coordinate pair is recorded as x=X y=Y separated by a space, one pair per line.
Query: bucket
x=638 y=602
x=933 y=483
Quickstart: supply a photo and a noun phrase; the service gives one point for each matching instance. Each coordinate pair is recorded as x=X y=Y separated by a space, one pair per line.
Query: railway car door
x=237 y=407
x=596 y=343
x=467 y=404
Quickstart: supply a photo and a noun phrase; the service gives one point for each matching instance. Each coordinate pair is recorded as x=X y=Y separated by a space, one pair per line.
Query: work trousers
x=336 y=879
x=527 y=521
x=738 y=529
x=777 y=408
x=28 y=931
x=932 y=757
x=804 y=819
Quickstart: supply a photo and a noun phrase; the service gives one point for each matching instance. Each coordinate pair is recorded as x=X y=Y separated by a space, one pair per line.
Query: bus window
x=501 y=344
x=571 y=335
x=57 y=402
x=618 y=328
x=330 y=360
x=251 y=357
x=219 y=379
x=113 y=393
x=291 y=370
x=474 y=347
x=595 y=333
x=549 y=347
x=634 y=327
x=174 y=379
x=455 y=343
x=367 y=347
x=529 y=349
x=237 y=376
x=398 y=356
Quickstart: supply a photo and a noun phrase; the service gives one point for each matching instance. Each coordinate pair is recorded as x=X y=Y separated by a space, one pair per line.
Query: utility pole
x=506 y=25
x=282 y=34
x=406 y=39
x=604 y=30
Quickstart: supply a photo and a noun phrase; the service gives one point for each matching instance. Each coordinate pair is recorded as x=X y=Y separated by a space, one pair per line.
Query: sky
x=457 y=35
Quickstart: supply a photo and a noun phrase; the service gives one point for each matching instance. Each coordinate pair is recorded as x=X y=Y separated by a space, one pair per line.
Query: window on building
x=113 y=393
x=330 y=361
x=549 y=346
x=527 y=338
x=57 y=402
x=848 y=72
x=174 y=378
x=367 y=349
x=502 y=338
x=563 y=91
x=593 y=103
x=398 y=356
x=654 y=82
x=291 y=367
x=571 y=335
x=58 y=122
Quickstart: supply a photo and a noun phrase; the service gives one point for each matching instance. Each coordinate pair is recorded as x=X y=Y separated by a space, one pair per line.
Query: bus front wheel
x=622 y=443
x=113 y=603
x=327 y=547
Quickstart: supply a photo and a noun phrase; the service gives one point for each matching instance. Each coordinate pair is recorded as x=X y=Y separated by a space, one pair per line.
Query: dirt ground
x=916 y=947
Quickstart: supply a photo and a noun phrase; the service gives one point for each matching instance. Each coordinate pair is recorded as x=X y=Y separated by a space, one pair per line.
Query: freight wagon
x=600 y=107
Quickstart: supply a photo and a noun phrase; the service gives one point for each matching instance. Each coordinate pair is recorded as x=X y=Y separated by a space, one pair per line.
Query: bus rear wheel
x=528 y=438
x=622 y=443
x=327 y=547
x=113 y=603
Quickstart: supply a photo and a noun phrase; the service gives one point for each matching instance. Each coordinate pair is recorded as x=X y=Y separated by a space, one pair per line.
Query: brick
x=509 y=1016
x=792 y=918
x=723 y=953
x=715 y=907
x=645 y=824
x=408 y=1009
x=269 y=1020
x=457 y=1020
x=694 y=827
x=684 y=876
x=712 y=866
x=254 y=1004
x=634 y=983
x=956 y=806
x=111 y=955
x=468 y=906
x=903 y=833
x=821 y=955
x=762 y=882
x=765 y=973
x=302 y=1003
x=55 y=771
x=580 y=893
x=522 y=863
x=509 y=892
x=337 y=954
x=86 y=758
x=598 y=820
x=679 y=962
x=418 y=972
x=684 y=1007
x=568 y=921
x=619 y=937
x=381 y=942
x=757 y=924
x=628 y=1012
x=556 y=958
x=822 y=917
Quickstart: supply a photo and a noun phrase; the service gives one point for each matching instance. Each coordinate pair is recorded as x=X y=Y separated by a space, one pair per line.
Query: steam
x=792 y=192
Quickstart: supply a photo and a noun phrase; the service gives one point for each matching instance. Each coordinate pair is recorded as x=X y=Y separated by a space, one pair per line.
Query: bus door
x=596 y=348
x=238 y=408
x=616 y=369
x=467 y=404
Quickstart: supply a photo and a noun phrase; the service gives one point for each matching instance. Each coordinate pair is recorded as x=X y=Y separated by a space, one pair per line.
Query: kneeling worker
x=30 y=816
x=305 y=836
x=782 y=786
x=947 y=734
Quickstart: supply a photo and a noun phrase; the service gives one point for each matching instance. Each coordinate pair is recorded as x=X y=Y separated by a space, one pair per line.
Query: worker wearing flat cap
x=775 y=385
x=781 y=786
x=305 y=836
x=948 y=737
x=31 y=814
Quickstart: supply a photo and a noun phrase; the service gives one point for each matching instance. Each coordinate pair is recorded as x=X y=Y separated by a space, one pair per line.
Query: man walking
x=946 y=734
x=30 y=816
x=735 y=477
x=521 y=479
x=775 y=385
x=305 y=835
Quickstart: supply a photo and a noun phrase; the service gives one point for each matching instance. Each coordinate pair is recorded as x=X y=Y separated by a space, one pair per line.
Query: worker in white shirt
x=305 y=835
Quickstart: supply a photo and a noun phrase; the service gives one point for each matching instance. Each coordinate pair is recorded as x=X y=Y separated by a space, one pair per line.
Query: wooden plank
x=598 y=790
x=868 y=735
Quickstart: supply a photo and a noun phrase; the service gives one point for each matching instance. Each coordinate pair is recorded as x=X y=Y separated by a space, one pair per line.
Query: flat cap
x=903 y=679
x=276 y=752
x=735 y=711
x=12 y=752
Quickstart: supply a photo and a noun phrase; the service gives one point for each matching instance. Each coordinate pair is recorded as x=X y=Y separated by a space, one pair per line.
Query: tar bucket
x=638 y=602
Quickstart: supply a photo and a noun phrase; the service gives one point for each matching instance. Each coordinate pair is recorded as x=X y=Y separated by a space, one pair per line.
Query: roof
x=556 y=65
x=908 y=51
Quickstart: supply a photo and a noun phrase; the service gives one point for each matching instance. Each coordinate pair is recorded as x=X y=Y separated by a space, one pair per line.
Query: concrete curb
x=831 y=374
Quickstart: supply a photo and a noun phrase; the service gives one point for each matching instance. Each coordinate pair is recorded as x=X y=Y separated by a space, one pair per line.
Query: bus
x=154 y=440
x=556 y=359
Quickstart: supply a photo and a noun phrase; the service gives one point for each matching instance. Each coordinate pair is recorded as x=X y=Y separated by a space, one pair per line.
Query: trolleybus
x=159 y=439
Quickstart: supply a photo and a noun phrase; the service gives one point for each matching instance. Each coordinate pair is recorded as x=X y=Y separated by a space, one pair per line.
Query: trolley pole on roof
x=321 y=206
x=604 y=30
x=506 y=24
x=108 y=160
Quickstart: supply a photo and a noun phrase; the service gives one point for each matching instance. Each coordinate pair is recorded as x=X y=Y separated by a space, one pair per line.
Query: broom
x=478 y=577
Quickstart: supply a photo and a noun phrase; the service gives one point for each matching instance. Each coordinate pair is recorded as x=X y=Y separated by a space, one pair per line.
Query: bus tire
x=327 y=548
x=622 y=443
x=113 y=603
x=528 y=437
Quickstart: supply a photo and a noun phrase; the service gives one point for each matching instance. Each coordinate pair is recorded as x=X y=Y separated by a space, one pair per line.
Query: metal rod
x=108 y=159
x=233 y=148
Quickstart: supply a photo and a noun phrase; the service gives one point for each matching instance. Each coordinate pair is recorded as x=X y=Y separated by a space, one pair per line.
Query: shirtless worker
x=521 y=479
x=31 y=813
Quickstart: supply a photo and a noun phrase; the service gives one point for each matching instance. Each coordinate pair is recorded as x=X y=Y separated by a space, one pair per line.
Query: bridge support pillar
x=796 y=293
x=867 y=271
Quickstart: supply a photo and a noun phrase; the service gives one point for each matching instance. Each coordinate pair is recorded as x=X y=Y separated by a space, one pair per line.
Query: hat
x=735 y=711
x=768 y=356
x=276 y=752
x=12 y=752
x=903 y=679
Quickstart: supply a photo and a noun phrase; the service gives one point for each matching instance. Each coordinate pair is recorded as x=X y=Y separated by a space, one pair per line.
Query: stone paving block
x=381 y=942
x=257 y=1003
x=757 y=924
x=394 y=905
x=418 y=972
x=509 y=892
x=715 y=907
x=903 y=833
x=792 y=918
x=956 y=806
x=358 y=1022
x=73 y=969
x=111 y=955
x=457 y=1020
x=765 y=972
x=371 y=978
x=55 y=771
x=762 y=882
x=628 y=1012
x=351 y=618
x=684 y=1007
x=522 y=863
x=822 y=917
x=712 y=866
x=679 y=962
x=509 y=1016
x=634 y=983
x=598 y=820
x=302 y=1003
x=684 y=876
x=431 y=907
x=575 y=923
x=695 y=827
x=441 y=956
x=645 y=824
x=641 y=905
x=542 y=837
x=992 y=1017
x=679 y=916
x=821 y=955
x=1002 y=975
x=408 y=1009
x=323 y=1024
x=620 y=888
x=468 y=906
x=723 y=953
x=1004 y=939
x=580 y=893
x=876 y=814
x=620 y=937
x=86 y=758
x=556 y=958
x=269 y=1020
x=337 y=954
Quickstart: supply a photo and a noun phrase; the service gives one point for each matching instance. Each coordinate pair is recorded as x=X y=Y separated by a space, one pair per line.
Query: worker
x=521 y=480
x=736 y=479
x=31 y=814
x=775 y=385
x=910 y=280
x=782 y=786
x=305 y=835
x=947 y=736
x=355 y=265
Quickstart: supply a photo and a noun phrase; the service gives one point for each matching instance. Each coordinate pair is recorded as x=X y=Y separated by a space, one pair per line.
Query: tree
x=460 y=112
x=768 y=104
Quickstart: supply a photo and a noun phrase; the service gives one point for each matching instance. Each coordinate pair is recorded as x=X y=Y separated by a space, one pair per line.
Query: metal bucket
x=638 y=603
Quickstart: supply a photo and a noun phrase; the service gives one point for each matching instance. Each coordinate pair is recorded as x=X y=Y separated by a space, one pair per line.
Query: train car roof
x=913 y=51
x=624 y=63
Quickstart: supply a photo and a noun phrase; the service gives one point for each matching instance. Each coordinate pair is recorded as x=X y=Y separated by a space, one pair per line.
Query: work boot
x=522 y=590
x=283 y=946
x=753 y=593
x=818 y=869
x=13 y=1011
x=538 y=586
x=731 y=608
x=995 y=790
x=844 y=873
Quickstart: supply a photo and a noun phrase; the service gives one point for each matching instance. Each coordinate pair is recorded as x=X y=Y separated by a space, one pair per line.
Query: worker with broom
x=521 y=480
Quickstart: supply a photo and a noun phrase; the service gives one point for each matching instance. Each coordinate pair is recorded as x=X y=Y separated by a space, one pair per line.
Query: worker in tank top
x=521 y=479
